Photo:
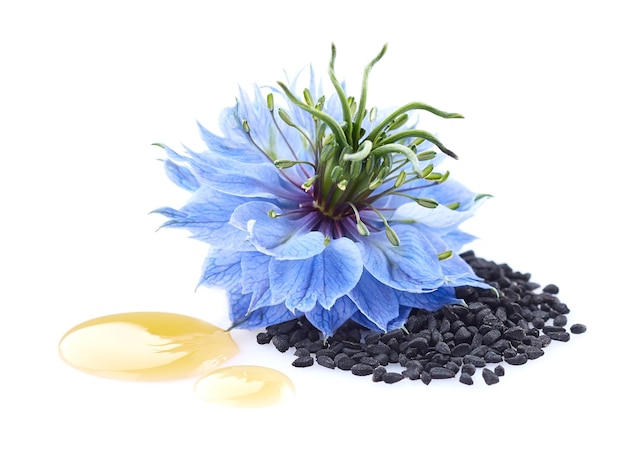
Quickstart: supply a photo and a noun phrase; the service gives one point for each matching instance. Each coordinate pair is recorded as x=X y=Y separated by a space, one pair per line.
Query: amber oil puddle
x=245 y=386
x=146 y=346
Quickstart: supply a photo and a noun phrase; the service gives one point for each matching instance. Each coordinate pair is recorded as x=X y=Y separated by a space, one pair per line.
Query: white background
x=85 y=87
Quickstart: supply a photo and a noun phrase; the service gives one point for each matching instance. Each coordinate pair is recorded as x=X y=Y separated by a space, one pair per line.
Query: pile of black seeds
x=511 y=326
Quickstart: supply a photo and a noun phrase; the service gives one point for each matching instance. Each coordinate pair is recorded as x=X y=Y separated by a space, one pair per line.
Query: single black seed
x=297 y=336
x=466 y=379
x=454 y=367
x=420 y=343
x=370 y=361
x=480 y=350
x=517 y=360
x=263 y=338
x=545 y=340
x=443 y=348
x=538 y=322
x=397 y=334
x=468 y=369
x=326 y=361
x=490 y=377
x=361 y=369
x=345 y=363
x=302 y=352
x=499 y=370
x=561 y=336
x=438 y=373
x=426 y=377
x=377 y=374
x=382 y=359
x=501 y=345
x=560 y=320
x=533 y=352
x=515 y=333
x=492 y=336
x=411 y=373
x=326 y=352
x=551 y=289
x=492 y=357
x=462 y=335
x=303 y=361
x=460 y=349
x=475 y=360
x=578 y=328
x=376 y=349
x=392 y=377
x=281 y=343
x=372 y=338
x=553 y=329
x=509 y=353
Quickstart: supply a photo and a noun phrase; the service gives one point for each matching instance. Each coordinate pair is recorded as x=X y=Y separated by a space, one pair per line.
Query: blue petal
x=399 y=322
x=321 y=279
x=430 y=301
x=412 y=266
x=207 y=217
x=181 y=176
x=242 y=318
x=281 y=237
x=329 y=320
x=221 y=268
x=376 y=301
x=255 y=279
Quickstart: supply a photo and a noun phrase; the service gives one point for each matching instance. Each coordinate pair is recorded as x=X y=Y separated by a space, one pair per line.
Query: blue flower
x=318 y=207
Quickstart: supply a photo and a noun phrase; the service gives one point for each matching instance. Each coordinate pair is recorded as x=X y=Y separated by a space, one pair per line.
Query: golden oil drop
x=245 y=386
x=146 y=346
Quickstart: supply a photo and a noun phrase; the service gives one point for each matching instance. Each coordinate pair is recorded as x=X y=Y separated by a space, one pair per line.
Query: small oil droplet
x=146 y=346
x=245 y=386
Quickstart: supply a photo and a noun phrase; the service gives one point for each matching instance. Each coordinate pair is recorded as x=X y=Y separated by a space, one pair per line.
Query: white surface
x=85 y=87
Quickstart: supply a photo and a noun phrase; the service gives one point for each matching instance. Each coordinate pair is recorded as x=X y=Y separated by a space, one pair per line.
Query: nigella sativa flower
x=316 y=206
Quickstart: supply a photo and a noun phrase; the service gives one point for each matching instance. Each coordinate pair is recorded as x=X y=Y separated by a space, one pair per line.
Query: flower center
x=356 y=160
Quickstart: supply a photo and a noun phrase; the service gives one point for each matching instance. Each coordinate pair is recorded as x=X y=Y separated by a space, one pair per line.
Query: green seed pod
x=426 y=202
x=285 y=117
x=444 y=255
x=392 y=236
x=400 y=179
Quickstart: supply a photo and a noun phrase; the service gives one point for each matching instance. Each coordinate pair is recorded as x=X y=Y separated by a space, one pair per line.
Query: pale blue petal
x=412 y=266
x=221 y=269
x=207 y=217
x=439 y=217
x=255 y=279
x=242 y=318
x=430 y=301
x=457 y=239
x=329 y=320
x=181 y=176
x=376 y=301
x=400 y=321
x=319 y=280
x=283 y=237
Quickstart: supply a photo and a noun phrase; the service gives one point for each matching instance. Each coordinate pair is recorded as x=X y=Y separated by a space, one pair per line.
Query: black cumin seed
x=466 y=379
x=517 y=360
x=362 y=370
x=438 y=373
x=326 y=361
x=490 y=377
x=392 y=377
x=498 y=370
x=561 y=336
x=468 y=369
x=578 y=328
x=303 y=361
x=377 y=374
